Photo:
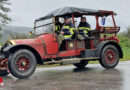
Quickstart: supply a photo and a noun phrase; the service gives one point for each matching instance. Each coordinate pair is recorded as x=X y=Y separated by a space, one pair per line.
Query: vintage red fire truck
x=20 y=57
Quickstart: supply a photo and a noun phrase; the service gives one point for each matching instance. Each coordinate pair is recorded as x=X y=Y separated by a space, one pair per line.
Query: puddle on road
x=70 y=78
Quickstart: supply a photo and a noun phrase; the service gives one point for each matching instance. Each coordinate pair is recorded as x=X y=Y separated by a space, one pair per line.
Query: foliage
x=125 y=44
x=124 y=41
x=4 y=10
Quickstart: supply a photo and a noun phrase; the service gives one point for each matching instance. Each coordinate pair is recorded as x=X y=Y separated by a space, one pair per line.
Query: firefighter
x=67 y=30
x=58 y=25
x=83 y=28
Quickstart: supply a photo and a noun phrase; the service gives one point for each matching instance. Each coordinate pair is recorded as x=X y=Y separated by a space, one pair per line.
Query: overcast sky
x=24 y=12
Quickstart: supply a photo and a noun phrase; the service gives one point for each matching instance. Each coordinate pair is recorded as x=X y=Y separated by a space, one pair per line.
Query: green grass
x=125 y=44
x=124 y=41
x=126 y=53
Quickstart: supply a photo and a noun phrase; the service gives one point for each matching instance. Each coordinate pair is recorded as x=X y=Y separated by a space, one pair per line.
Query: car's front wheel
x=22 y=63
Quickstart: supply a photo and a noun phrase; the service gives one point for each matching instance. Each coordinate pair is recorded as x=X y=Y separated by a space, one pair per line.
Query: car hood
x=48 y=38
x=26 y=41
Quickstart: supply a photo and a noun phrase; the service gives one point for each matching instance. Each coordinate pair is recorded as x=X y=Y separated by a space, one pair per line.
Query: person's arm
x=61 y=32
x=72 y=28
x=87 y=26
x=79 y=25
x=61 y=25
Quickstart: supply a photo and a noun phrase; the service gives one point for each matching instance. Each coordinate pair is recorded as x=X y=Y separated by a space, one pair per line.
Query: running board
x=70 y=61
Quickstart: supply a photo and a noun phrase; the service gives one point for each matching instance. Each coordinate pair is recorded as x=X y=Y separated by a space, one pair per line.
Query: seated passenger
x=83 y=28
x=58 y=25
x=67 y=30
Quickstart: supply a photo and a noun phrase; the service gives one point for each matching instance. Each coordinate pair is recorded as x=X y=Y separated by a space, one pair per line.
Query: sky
x=24 y=12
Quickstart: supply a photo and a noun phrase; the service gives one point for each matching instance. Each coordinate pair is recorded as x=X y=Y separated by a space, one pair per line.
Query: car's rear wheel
x=22 y=63
x=82 y=64
x=109 y=57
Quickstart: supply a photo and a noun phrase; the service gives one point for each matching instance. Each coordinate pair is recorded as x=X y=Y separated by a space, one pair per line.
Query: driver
x=58 y=25
x=83 y=28
x=67 y=30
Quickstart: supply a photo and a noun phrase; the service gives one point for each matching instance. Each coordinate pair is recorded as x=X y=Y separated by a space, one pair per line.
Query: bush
x=124 y=40
x=127 y=33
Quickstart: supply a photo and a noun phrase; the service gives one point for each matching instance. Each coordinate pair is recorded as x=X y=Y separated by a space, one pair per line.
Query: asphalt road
x=93 y=77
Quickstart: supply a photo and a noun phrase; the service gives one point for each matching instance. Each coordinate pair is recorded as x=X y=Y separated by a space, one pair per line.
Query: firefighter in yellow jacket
x=67 y=30
x=58 y=25
x=83 y=28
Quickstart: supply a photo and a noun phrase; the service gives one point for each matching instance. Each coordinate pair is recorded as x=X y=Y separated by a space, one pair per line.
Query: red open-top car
x=20 y=57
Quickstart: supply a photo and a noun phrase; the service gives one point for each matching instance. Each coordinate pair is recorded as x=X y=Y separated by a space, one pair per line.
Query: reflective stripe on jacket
x=58 y=28
x=83 y=30
x=68 y=30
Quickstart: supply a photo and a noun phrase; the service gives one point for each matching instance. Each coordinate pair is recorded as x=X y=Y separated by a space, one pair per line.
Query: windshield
x=44 y=26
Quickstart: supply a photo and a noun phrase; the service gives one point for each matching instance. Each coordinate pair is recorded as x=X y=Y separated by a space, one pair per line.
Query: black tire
x=22 y=63
x=82 y=64
x=109 y=57
x=4 y=72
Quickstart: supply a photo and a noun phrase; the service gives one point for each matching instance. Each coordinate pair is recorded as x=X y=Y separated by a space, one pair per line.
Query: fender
x=102 y=44
x=13 y=48
x=8 y=48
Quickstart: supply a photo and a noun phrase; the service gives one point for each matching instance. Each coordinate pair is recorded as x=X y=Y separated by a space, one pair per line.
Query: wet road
x=93 y=77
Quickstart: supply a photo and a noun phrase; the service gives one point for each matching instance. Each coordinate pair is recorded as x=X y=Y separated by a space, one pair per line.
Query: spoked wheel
x=22 y=63
x=82 y=64
x=109 y=57
x=4 y=68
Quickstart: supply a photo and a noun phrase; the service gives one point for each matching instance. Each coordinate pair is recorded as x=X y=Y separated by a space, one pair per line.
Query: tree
x=4 y=10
